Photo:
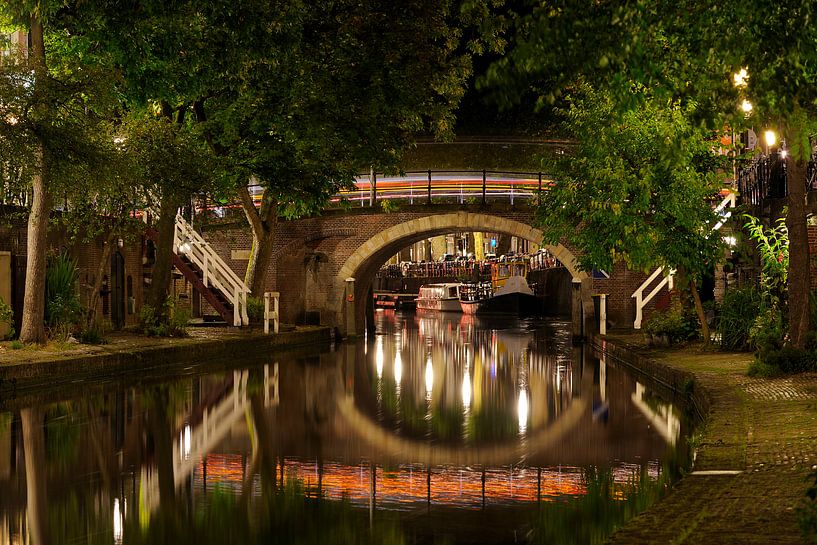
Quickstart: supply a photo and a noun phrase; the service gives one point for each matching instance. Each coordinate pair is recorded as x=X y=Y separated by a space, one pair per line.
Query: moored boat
x=507 y=293
x=442 y=297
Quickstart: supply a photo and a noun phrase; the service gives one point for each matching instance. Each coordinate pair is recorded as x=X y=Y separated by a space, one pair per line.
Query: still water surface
x=438 y=428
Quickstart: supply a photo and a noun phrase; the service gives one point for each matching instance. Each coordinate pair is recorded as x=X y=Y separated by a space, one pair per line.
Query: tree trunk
x=262 y=223
x=93 y=297
x=162 y=269
x=32 y=329
x=36 y=499
x=799 y=275
x=699 y=310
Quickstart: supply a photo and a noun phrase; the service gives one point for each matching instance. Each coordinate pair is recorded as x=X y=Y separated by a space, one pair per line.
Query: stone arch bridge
x=313 y=257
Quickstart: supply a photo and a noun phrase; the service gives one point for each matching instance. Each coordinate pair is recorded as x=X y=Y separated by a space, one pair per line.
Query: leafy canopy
x=636 y=187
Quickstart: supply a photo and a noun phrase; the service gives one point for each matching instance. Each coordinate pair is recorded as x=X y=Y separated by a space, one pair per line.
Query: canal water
x=437 y=428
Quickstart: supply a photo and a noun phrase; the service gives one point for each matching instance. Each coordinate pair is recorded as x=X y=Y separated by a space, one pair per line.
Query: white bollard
x=271 y=314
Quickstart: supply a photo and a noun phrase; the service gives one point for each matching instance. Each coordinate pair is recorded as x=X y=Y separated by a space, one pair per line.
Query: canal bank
x=754 y=450
x=130 y=355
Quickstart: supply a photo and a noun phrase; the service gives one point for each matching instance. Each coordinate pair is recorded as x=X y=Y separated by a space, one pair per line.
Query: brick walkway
x=764 y=428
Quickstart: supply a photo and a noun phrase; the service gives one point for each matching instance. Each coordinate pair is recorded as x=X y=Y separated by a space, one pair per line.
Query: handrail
x=189 y=242
x=640 y=300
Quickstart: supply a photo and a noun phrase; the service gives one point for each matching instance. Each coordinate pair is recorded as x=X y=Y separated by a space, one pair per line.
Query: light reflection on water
x=433 y=411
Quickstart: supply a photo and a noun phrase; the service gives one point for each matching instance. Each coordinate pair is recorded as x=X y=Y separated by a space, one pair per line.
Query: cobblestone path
x=766 y=429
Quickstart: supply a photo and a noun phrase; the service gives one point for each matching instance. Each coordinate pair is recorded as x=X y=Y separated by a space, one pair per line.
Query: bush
x=170 y=322
x=7 y=317
x=766 y=333
x=255 y=308
x=673 y=324
x=789 y=359
x=93 y=334
x=62 y=307
x=739 y=310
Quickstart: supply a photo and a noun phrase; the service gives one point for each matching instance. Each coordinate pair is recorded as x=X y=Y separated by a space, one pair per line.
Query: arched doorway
x=117 y=290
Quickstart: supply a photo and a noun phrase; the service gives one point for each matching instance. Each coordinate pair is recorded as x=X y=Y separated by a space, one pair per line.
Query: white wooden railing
x=216 y=273
x=642 y=300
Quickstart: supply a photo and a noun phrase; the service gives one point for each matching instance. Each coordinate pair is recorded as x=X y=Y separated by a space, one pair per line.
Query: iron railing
x=766 y=177
x=417 y=188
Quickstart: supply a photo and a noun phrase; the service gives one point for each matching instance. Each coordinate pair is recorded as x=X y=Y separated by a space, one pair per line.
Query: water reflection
x=435 y=415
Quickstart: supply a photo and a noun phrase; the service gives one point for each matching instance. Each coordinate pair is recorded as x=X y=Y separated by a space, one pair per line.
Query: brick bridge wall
x=311 y=256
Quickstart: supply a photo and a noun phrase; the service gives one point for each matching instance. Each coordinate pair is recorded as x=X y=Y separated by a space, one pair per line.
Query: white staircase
x=214 y=272
x=642 y=300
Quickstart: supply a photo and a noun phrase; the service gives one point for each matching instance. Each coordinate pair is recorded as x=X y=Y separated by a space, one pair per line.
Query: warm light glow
x=783 y=154
x=740 y=77
x=117 y=522
x=730 y=240
x=378 y=357
x=398 y=368
x=522 y=409
x=770 y=137
x=12 y=119
x=746 y=106
x=429 y=375
x=466 y=390
x=184 y=442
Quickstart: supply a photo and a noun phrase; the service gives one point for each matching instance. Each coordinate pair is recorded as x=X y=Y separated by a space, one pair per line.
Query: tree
x=170 y=164
x=319 y=101
x=688 y=51
x=52 y=105
x=635 y=195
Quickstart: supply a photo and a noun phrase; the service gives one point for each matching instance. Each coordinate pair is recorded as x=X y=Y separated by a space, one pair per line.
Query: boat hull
x=443 y=305
x=514 y=304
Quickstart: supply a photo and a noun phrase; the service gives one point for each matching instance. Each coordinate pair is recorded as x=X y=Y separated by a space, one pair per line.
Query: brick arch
x=369 y=256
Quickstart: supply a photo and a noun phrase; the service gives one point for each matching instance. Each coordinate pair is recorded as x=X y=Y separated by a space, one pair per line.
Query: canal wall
x=138 y=362
x=675 y=385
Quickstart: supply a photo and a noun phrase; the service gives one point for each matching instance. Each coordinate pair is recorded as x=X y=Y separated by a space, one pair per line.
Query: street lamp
x=739 y=78
x=746 y=106
x=770 y=137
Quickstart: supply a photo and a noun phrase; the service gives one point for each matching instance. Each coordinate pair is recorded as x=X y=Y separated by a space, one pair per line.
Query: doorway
x=117 y=288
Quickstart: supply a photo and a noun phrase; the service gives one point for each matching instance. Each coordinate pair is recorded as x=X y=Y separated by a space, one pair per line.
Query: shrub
x=17 y=345
x=93 y=334
x=739 y=310
x=790 y=359
x=255 y=308
x=171 y=322
x=674 y=324
x=7 y=317
x=62 y=306
x=766 y=333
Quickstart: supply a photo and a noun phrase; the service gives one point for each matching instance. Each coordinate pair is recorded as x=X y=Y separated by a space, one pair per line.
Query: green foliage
x=773 y=247
x=784 y=360
x=389 y=206
x=591 y=518
x=639 y=185
x=168 y=322
x=93 y=334
x=255 y=308
x=279 y=517
x=17 y=345
x=673 y=323
x=7 y=318
x=62 y=307
x=738 y=312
